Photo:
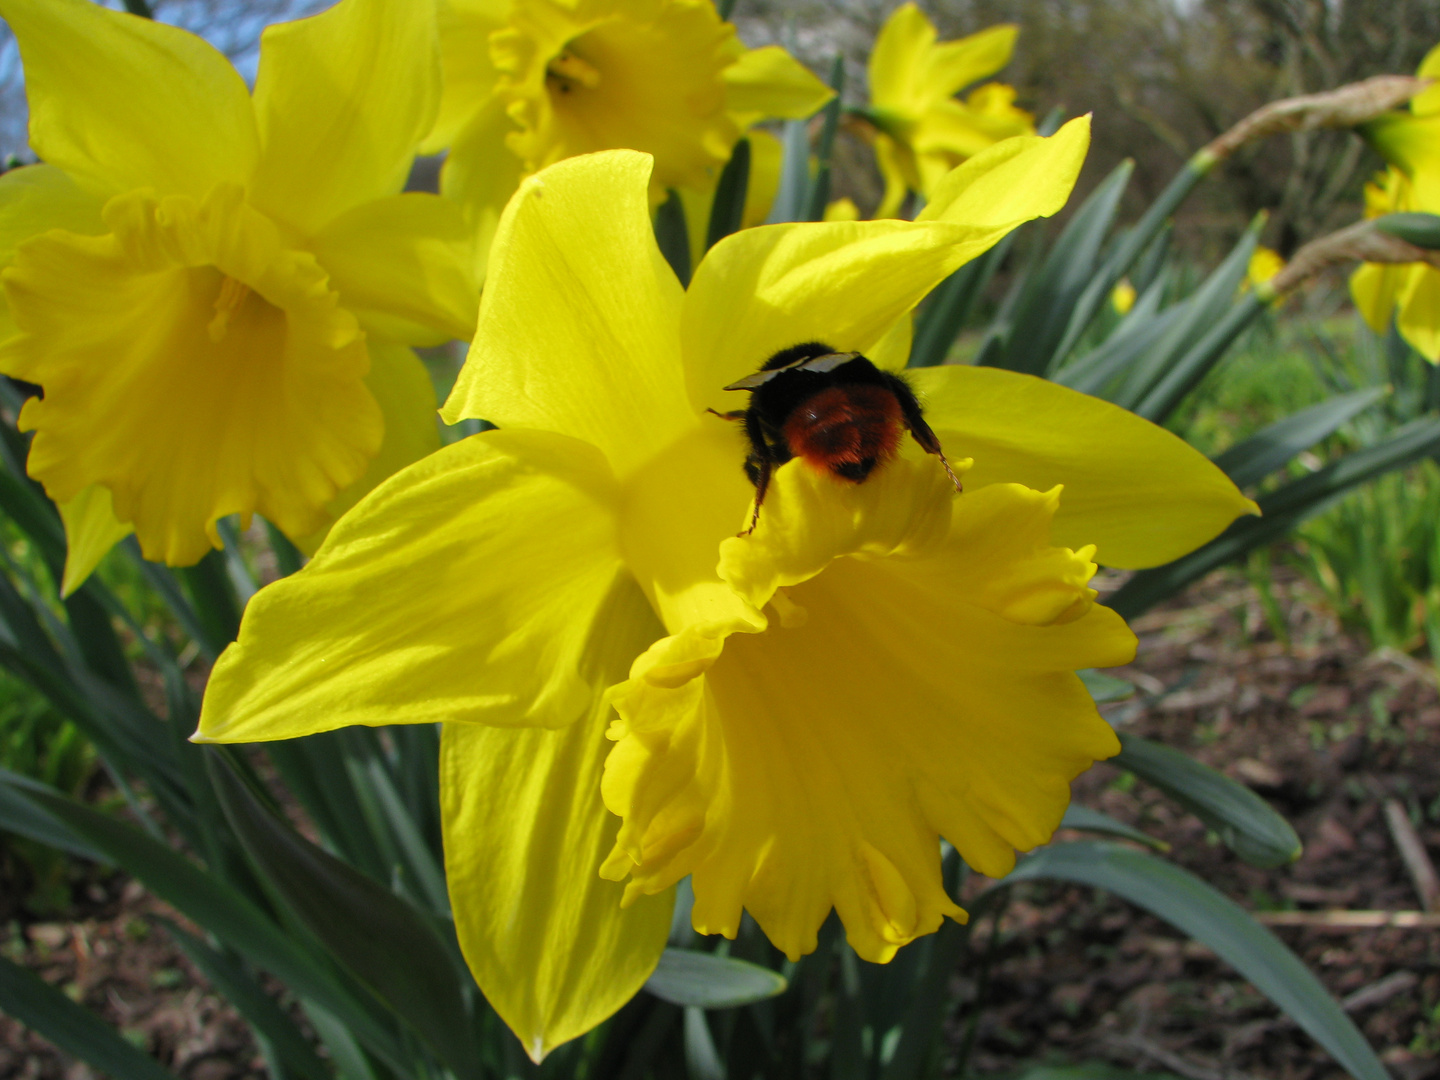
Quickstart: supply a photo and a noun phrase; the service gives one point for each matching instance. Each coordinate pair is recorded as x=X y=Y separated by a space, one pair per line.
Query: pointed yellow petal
x=343 y=98
x=1013 y=181
x=915 y=682
x=404 y=265
x=769 y=83
x=767 y=158
x=900 y=172
x=193 y=366
x=481 y=174
x=475 y=585
x=402 y=387
x=90 y=532
x=37 y=198
x=1419 y=318
x=578 y=325
x=899 y=60
x=468 y=76
x=954 y=65
x=1139 y=493
x=121 y=102
x=525 y=834
x=1427 y=102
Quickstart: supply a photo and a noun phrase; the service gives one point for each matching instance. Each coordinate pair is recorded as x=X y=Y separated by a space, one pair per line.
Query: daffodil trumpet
x=217 y=291
x=631 y=693
x=532 y=82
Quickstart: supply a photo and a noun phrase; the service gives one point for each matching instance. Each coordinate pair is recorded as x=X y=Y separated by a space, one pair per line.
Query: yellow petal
x=953 y=65
x=898 y=167
x=343 y=99
x=90 y=532
x=1427 y=102
x=401 y=385
x=578 y=325
x=192 y=365
x=919 y=686
x=37 y=198
x=404 y=265
x=767 y=158
x=525 y=833
x=1140 y=494
x=481 y=174
x=1015 y=180
x=770 y=83
x=468 y=76
x=899 y=59
x=475 y=585
x=1419 y=318
x=1412 y=144
x=121 y=102
x=843 y=209
x=605 y=74
x=1374 y=287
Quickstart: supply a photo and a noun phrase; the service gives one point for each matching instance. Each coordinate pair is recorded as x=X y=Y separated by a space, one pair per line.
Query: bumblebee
x=837 y=411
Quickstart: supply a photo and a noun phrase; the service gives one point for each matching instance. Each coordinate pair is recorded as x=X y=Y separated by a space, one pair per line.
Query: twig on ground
x=1412 y=851
x=1351 y=920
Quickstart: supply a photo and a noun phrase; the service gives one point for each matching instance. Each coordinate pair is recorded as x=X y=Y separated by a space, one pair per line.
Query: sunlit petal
x=406 y=616
x=90 y=532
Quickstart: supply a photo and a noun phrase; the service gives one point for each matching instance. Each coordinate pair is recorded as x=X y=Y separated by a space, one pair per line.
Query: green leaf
x=1247 y=824
x=727 y=212
x=1195 y=363
x=673 y=236
x=1422 y=230
x=267 y=1018
x=1282 y=510
x=705 y=981
x=211 y=903
x=818 y=196
x=1104 y=687
x=384 y=941
x=73 y=1028
x=1050 y=295
x=22 y=817
x=702 y=1060
x=789 y=202
x=1084 y=819
x=950 y=305
x=1258 y=456
x=1188 y=903
x=1095 y=1070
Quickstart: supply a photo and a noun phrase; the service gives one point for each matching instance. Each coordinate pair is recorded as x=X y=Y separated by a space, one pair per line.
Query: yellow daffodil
x=1122 y=297
x=1410 y=293
x=531 y=82
x=631 y=692
x=923 y=130
x=217 y=292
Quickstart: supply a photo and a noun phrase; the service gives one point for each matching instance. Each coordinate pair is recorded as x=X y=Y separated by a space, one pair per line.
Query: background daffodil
x=798 y=716
x=217 y=292
x=1410 y=142
x=530 y=82
x=923 y=130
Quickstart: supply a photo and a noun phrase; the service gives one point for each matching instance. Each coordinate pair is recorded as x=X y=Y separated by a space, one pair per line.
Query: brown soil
x=1316 y=726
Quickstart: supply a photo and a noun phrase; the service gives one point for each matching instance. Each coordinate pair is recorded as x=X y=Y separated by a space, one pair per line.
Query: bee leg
x=758 y=467
x=919 y=429
x=734 y=414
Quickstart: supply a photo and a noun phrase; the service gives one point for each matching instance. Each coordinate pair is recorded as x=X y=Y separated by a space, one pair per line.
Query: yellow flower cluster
x=217 y=292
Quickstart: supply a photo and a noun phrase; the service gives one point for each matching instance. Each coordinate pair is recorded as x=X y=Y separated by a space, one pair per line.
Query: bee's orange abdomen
x=845 y=426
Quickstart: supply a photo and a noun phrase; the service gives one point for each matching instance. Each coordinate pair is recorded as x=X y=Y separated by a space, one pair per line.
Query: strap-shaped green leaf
x=1246 y=823
x=224 y=912
x=673 y=236
x=237 y=987
x=1084 y=819
x=727 y=211
x=704 y=981
x=1186 y=902
x=384 y=941
x=1282 y=510
x=1268 y=449
x=73 y=1028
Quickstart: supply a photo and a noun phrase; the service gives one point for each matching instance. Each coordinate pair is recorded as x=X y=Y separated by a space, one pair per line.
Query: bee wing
x=817 y=364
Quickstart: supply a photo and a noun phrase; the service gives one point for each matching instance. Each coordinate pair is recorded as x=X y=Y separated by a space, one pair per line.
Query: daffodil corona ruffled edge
x=1407 y=293
x=216 y=292
x=532 y=82
x=516 y=583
